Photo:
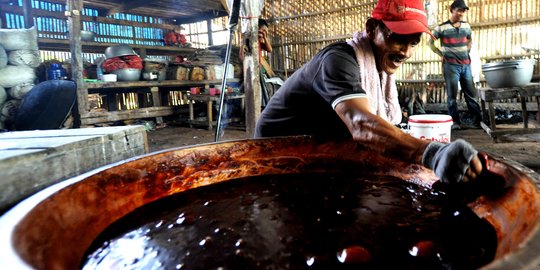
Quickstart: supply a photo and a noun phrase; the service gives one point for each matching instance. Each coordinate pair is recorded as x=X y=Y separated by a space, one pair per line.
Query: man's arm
x=374 y=132
x=380 y=136
x=264 y=41
x=434 y=48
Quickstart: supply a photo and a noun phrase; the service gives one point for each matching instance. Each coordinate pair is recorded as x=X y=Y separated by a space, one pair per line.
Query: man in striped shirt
x=455 y=38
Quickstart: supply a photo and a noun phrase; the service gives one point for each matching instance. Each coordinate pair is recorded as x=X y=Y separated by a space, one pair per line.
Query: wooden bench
x=488 y=95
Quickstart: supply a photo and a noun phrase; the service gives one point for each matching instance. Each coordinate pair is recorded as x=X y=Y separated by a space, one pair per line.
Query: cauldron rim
x=524 y=257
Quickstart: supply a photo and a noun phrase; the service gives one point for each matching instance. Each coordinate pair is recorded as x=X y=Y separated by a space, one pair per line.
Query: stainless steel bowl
x=509 y=73
x=87 y=35
x=119 y=50
x=127 y=74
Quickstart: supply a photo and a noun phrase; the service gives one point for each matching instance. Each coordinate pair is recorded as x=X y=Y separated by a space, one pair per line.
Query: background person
x=264 y=45
x=455 y=38
x=348 y=91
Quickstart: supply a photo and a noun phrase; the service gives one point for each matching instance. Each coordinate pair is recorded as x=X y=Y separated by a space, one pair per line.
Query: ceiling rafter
x=123 y=7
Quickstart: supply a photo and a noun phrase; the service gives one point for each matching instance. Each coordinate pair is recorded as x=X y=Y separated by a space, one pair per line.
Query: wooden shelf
x=156 y=87
x=99 y=47
x=136 y=84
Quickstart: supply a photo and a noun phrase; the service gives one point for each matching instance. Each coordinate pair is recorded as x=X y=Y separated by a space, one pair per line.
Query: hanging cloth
x=380 y=87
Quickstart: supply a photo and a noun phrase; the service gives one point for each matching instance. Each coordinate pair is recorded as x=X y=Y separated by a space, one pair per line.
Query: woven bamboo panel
x=502 y=29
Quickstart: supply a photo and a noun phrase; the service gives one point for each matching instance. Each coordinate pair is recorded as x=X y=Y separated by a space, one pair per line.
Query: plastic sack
x=19 y=39
x=11 y=76
x=3 y=96
x=24 y=58
x=3 y=57
x=19 y=91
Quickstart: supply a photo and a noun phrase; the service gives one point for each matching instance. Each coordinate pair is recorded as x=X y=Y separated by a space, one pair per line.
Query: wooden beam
x=504 y=22
x=91 y=118
x=59 y=15
x=28 y=15
x=225 y=6
x=99 y=47
x=210 y=36
x=128 y=6
x=73 y=11
x=510 y=106
x=146 y=84
x=252 y=85
x=321 y=13
x=201 y=17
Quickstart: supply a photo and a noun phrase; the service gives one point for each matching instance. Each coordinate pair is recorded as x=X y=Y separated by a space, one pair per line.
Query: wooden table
x=209 y=100
x=488 y=95
x=532 y=90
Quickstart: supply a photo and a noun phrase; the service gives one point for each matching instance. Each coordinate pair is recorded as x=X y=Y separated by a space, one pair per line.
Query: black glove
x=450 y=161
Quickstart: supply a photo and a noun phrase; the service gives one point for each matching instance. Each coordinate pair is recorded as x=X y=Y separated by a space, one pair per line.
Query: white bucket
x=433 y=127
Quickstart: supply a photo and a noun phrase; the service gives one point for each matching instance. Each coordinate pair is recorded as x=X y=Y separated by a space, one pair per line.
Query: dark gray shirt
x=304 y=105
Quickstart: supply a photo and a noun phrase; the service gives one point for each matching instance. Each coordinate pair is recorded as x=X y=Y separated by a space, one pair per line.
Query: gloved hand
x=450 y=161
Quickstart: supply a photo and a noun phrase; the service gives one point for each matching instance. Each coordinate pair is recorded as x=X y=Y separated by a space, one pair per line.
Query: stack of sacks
x=19 y=58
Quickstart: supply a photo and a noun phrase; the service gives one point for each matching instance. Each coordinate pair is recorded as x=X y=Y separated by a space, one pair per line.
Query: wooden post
x=156 y=100
x=209 y=28
x=73 y=12
x=28 y=14
x=252 y=85
x=142 y=53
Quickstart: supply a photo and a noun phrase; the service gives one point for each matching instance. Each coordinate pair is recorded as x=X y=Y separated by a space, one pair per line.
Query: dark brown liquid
x=308 y=221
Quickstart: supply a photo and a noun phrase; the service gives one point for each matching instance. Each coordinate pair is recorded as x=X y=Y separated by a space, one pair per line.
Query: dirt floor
x=526 y=153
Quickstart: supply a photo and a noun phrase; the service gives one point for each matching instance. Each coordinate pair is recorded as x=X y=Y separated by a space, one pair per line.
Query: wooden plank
x=37 y=159
x=91 y=118
x=99 y=47
x=74 y=9
x=165 y=83
x=206 y=98
x=510 y=106
x=489 y=94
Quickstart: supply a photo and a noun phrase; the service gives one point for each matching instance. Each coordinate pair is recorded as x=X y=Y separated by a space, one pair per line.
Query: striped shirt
x=454 y=42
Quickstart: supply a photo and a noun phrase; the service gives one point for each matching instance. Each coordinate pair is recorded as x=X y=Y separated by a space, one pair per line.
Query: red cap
x=402 y=16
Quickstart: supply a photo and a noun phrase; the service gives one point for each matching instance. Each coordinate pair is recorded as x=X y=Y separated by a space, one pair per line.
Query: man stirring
x=348 y=91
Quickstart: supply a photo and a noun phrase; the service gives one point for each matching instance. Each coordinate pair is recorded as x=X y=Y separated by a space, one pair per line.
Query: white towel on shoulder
x=380 y=89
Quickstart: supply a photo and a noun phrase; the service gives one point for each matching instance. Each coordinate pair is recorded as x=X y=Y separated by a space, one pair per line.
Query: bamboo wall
x=501 y=28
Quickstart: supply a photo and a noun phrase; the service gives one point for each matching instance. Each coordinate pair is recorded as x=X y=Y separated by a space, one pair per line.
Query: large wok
x=54 y=228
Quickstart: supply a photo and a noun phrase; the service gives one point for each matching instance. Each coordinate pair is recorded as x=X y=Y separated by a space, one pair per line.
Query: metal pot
x=55 y=227
x=119 y=50
x=87 y=35
x=509 y=73
x=127 y=74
